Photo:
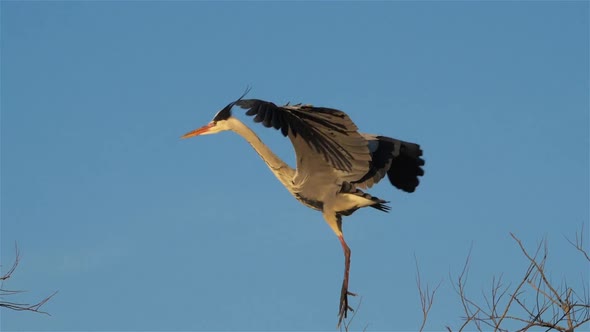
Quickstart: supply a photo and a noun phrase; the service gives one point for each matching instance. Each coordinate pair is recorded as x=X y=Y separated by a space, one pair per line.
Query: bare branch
x=27 y=307
x=426 y=296
x=554 y=307
x=539 y=267
x=9 y=273
x=579 y=244
x=5 y=292
x=346 y=324
x=459 y=287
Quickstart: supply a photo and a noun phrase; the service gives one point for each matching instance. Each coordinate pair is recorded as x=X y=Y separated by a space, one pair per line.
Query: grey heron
x=334 y=161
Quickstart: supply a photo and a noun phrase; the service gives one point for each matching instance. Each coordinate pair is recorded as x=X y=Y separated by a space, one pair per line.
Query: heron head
x=219 y=122
x=217 y=125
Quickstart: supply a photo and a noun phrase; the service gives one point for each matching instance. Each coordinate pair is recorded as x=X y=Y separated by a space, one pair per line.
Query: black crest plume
x=225 y=113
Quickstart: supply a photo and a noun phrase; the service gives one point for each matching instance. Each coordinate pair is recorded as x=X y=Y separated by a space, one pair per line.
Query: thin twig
x=347 y=324
x=579 y=245
x=5 y=292
x=426 y=298
x=538 y=267
x=8 y=274
x=555 y=308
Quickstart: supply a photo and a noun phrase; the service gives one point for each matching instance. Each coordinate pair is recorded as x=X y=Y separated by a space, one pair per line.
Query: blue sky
x=139 y=230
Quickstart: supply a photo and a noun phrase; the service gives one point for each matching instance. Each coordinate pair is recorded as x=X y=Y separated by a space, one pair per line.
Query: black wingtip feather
x=406 y=168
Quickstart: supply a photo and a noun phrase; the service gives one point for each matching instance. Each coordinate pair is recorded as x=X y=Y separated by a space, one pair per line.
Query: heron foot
x=344 y=307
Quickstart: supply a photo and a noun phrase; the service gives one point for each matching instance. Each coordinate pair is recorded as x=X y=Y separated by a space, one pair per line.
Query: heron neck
x=280 y=169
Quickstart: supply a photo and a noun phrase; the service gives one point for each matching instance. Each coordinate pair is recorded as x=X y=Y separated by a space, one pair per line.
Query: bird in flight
x=334 y=162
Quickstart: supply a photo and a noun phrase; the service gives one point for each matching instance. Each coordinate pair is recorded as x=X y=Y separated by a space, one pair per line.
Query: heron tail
x=377 y=203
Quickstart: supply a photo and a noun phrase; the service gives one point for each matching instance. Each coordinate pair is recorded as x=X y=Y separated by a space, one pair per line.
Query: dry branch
x=36 y=307
x=555 y=308
x=426 y=296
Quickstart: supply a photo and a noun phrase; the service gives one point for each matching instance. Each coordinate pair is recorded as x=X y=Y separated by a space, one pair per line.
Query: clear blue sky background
x=139 y=230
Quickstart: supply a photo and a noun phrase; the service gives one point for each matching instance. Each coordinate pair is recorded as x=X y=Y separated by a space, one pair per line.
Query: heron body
x=334 y=161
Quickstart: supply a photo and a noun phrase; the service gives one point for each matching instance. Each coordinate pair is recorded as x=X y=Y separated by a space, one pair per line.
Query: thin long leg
x=344 y=307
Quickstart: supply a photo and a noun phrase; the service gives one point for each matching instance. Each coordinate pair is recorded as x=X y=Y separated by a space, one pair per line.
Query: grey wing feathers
x=326 y=131
x=400 y=160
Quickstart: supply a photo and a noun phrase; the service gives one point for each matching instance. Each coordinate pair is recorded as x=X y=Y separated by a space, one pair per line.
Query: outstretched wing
x=321 y=136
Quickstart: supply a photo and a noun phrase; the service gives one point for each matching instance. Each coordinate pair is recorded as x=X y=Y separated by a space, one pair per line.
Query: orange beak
x=199 y=131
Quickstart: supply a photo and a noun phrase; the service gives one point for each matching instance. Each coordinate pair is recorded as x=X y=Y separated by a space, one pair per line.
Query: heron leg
x=344 y=307
x=335 y=222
